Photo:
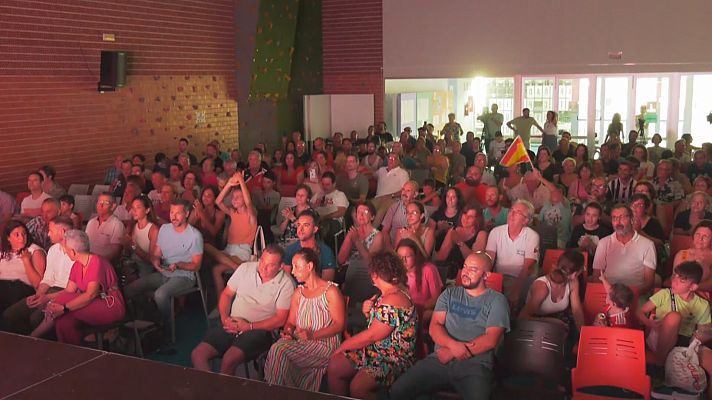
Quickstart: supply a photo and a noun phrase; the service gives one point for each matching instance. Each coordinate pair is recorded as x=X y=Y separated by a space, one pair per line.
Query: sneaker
x=672 y=393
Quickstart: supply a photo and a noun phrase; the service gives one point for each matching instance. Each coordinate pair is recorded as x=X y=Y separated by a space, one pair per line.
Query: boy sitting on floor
x=678 y=310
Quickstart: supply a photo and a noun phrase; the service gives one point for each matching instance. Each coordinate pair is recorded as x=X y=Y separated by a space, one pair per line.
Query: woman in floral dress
x=375 y=357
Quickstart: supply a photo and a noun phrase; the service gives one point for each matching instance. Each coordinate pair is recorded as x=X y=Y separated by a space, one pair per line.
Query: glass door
x=538 y=97
x=611 y=99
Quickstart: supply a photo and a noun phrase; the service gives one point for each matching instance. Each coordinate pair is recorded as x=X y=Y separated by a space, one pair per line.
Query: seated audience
x=142 y=236
x=207 y=217
x=183 y=149
x=494 y=213
x=38 y=227
x=431 y=197
x=331 y=206
x=556 y=295
x=514 y=247
x=351 y=182
x=621 y=188
x=448 y=215
x=175 y=178
x=646 y=170
x=241 y=231
x=176 y=259
x=462 y=240
x=488 y=177
x=105 y=231
x=678 y=311
x=312 y=178
x=686 y=220
x=579 y=190
x=397 y=217
x=417 y=229
x=668 y=189
x=22 y=264
x=113 y=173
x=290 y=175
x=644 y=224
x=374 y=358
x=191 y=187
x=208 y=176
x=530 y=189
x=465 y=338
x=701 y=184
x=317 y=316
x=626 y=256
x=473 y=190
x=26 y=314
x=647 y=188
x=547 y=165
x=49 y=185
x=619 y=298
x=30 y=206
x=424 y=283
x=163 y=206
x=699 y=251
x=66 y=209
x=122 y=211
x=568 y=174
x=586 y=235
x=391 y=179
x=439 y=166
x=92 y=296
x=266 y=202
x=307 y=228
x=255 y=302
x=362 y=240
x=555 y=213
x=288 y=226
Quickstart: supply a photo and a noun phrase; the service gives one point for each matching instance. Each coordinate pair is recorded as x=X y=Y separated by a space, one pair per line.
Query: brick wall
x=181 y=63
x=353 y=49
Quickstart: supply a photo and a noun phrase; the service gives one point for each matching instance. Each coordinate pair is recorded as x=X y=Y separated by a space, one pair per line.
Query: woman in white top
x=646 y=170
x=22 y=264
x=552 y=295
x=551 y=131
x=141 y=239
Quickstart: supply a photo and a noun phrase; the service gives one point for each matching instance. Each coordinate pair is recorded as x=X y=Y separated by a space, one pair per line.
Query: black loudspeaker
x=113 y=70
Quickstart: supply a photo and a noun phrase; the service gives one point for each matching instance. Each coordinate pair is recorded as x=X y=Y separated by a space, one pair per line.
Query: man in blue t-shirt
x=467 y=324
x=175 y=259
x=307 y=227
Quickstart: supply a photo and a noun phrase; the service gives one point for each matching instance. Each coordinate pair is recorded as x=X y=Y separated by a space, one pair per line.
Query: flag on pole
x=516 y=154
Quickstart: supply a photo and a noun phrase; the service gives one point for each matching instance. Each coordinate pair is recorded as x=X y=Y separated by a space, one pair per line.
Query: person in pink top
x=92 y=296
x=424 y=283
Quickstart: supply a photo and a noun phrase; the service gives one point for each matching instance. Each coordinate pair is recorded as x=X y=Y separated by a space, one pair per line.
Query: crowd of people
x=424 y=218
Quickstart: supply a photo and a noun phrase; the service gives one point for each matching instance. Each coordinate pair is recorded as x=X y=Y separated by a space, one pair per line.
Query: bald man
x=467 y=324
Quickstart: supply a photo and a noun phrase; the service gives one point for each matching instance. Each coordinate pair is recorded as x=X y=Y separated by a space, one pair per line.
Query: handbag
x=683 y=370
x=258 y=245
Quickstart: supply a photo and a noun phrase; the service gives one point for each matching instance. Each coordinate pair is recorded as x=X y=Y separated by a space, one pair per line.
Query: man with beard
x=625 y=256
x=473 y=189
x=467 y=324
x=396 y=217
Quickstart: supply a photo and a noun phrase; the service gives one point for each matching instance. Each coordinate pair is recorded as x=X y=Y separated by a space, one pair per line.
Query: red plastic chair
x=551 y=258
x=494 y=281
x=21 y=196
x=610 y=357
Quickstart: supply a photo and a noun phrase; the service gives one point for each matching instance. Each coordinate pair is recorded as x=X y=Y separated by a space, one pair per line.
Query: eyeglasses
x=638 y=204
x=103 y=203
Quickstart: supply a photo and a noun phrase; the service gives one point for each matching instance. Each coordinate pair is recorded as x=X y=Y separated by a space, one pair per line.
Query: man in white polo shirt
x=105 y=231
x=391 y=179
x=255 y=302
x=625 y=256
x=514 y=247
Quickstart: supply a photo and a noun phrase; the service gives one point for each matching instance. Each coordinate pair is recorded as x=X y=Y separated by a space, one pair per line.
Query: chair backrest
x=99 y=189
x=669 y=213
x=611 y=357
x=594 y=302
x=494 y=280
x=551 y=258
x=535 y=347
x=78 y=188
x=19 y=197
x=284 y=202
x=84 y=205
x=677 y=244
x=357 y=282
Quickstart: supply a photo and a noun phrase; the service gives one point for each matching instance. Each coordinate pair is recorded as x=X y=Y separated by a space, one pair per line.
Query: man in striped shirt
x=621 y=188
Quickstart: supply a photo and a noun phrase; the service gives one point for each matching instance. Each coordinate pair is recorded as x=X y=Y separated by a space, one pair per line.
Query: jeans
x=470 y=378
x=164 y=290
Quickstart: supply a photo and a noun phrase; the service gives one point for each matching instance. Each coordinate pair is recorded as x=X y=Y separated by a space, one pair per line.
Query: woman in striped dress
x=312 y=333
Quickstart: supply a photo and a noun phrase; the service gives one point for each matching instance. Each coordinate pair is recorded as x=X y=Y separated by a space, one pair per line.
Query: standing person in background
x=453 y=128
x=615 y=129
x=551 y=130
x=522 y=126
x=493 y=121
x=49 y=185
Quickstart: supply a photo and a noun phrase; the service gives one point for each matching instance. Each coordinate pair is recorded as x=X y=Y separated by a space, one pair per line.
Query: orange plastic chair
x=669 y=213
x=494 y=281
x=678 y=243
x=21 y=196
x=610 y=357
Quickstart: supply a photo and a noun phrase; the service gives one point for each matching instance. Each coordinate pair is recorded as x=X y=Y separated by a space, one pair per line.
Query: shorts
x=252 y=343
x=652 y=340
x=241 y=251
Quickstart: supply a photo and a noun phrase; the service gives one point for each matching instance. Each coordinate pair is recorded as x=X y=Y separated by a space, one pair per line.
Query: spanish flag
x=516 y=154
